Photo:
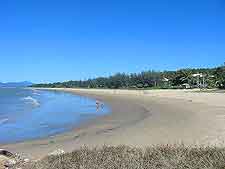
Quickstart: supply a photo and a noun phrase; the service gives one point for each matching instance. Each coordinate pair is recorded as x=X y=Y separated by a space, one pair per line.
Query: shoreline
x=140 y=118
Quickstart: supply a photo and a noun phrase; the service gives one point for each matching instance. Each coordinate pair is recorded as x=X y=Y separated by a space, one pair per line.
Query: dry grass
x=124 y=157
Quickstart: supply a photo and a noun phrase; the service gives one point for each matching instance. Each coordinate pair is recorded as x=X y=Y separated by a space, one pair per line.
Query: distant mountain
x=16 y=84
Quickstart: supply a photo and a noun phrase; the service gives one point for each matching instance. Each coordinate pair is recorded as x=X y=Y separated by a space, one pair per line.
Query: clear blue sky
x=57 y=40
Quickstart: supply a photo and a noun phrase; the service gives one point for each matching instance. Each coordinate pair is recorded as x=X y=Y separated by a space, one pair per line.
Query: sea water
x=31 y=114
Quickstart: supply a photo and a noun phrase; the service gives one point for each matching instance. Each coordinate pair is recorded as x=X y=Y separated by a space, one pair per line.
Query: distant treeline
x=183 y=78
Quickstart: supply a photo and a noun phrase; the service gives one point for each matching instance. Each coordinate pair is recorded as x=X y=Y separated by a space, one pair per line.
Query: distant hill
x=16 y=84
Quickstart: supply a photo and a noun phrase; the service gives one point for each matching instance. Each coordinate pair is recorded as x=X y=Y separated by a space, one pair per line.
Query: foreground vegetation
x=189 y=78
x=124 y=157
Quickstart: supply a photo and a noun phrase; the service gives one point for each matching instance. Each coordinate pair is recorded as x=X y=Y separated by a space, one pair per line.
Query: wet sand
x=141 y=118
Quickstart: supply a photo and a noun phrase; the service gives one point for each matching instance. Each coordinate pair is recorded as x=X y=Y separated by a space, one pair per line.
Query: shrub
x=124 y=157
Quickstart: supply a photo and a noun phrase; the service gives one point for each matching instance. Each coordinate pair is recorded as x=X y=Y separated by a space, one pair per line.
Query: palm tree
x=183 y=76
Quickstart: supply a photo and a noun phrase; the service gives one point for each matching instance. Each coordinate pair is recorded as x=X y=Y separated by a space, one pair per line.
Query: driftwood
x=5 y=153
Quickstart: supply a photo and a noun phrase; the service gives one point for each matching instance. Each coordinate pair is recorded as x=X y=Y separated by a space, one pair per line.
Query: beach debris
x=57 y=152
x=5 y=153
x=26 y=160
x=9 y=160
x=3 y=161
x=10 y=163
x=6 y=162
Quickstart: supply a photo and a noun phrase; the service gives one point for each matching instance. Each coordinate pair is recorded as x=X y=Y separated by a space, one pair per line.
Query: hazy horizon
x=102 y=75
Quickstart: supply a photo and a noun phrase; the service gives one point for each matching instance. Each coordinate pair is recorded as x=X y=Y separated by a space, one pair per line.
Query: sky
x=60 y=40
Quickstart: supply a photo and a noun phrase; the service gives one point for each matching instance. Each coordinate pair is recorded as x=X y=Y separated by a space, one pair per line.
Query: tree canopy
x=201 y=77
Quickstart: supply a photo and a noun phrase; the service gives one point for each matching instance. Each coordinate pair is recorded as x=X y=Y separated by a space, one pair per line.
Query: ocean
x=27 y=114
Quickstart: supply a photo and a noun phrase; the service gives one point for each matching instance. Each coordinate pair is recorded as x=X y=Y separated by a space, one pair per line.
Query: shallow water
x=30 y=114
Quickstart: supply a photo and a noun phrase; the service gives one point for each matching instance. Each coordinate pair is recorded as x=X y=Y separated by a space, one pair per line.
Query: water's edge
x=54 y=123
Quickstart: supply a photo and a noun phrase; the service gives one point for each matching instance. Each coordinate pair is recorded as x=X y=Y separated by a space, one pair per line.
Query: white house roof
x=165 y=79
x=197 y=74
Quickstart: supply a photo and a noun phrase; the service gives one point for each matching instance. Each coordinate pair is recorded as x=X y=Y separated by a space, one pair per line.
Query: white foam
x=2 y=121
x=32 y=100
x=35 y=93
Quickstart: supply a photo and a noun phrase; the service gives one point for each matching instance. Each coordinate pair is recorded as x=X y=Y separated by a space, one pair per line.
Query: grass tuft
x=125 y=157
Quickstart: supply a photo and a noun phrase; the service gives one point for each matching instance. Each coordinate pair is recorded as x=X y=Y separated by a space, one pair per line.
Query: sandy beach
x=141 y=118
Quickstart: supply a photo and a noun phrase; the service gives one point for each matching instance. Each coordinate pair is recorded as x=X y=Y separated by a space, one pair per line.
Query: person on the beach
x=97 y=104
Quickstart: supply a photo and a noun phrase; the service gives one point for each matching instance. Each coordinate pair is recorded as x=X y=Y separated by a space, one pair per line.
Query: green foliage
x=213 y=77
x=220 y=77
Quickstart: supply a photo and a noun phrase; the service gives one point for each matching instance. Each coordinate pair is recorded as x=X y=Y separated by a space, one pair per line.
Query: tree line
x=183 y=78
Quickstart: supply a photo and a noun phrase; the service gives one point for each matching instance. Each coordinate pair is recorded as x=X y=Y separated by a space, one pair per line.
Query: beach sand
x=141 y=118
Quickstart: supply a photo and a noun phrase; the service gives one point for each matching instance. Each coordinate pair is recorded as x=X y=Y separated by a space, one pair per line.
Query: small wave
x=44 y=125
x=35 y=93
x=2 y=121
x=32 y=100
